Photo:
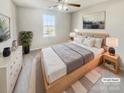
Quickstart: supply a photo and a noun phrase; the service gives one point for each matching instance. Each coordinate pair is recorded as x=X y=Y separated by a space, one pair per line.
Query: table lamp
x=72 y=35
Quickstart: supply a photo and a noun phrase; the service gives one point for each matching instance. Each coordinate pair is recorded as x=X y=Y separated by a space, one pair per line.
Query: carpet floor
x=85 y=83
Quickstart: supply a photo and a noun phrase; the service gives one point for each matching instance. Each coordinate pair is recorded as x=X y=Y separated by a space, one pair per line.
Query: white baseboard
x=35 y=49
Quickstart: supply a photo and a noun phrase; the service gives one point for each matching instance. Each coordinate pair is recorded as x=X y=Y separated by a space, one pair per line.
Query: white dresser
x=9 y=70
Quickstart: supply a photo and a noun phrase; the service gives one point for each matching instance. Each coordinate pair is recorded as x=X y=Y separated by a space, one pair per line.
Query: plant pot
x=26 y=50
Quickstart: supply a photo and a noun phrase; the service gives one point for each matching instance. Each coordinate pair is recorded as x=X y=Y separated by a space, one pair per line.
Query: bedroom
x=32 y=15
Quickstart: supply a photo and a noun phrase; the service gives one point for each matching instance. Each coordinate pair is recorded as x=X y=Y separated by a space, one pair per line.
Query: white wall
x=114 y=21
x=30 y=19
x=8 y=8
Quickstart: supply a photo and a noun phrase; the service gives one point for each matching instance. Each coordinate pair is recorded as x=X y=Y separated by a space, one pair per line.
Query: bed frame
x=66 y=81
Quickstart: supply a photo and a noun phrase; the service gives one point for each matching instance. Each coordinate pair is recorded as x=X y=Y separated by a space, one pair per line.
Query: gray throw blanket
x=73 y=55
x=86 y=54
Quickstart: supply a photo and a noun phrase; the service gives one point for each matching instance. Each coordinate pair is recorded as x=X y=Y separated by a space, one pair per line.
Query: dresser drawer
x=11 y=86
x=12 y=80
x=10 y=71
x=12 y=68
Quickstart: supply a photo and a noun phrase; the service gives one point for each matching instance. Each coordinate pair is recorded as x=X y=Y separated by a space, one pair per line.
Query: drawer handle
x=11 y=74
x=17 y=70
x=16 y=57
x=14 y=62
x=11 y=85
x=14 y=75
x=11 y=67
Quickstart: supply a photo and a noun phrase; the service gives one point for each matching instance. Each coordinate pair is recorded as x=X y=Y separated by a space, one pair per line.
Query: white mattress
x=55 y=67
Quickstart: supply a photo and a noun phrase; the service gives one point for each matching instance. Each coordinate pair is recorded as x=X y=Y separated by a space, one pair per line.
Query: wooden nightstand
x=111 y=62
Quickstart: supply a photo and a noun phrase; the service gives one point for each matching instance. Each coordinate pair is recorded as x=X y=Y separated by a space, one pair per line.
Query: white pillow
x=89 y=41
x=79 y=39
x=98 y=42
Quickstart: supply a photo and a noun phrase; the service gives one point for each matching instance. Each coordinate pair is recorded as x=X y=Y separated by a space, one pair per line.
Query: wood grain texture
x=112 y=59
x=66 y=81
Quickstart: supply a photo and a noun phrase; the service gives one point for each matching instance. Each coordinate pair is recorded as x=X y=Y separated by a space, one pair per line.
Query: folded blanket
x=73 y=55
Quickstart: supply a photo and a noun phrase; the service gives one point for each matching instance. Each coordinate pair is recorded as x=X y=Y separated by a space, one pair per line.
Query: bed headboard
x=95 y=34
x=103 y=35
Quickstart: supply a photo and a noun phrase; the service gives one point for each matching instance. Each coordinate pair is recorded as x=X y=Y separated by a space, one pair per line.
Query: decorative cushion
x=89 y=41
x=98 y=42
x=79 y=39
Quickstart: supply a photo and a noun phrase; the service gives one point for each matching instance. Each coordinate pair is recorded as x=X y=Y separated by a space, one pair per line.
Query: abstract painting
x=94 y=21
x=4 y=28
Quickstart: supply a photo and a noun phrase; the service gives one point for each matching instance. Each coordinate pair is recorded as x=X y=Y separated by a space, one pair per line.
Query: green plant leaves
x=26 y=38
x=2 y=23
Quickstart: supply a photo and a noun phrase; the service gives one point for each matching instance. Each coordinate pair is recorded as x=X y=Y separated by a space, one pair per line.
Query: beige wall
x=114 y=21
x=8 y=8
x=30 y=19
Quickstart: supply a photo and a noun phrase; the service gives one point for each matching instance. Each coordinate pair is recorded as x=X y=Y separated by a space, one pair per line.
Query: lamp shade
x=72 y=34
x=112 y=42
x=76 y=30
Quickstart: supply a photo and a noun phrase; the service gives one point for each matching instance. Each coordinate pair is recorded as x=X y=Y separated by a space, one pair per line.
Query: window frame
x=49 y=22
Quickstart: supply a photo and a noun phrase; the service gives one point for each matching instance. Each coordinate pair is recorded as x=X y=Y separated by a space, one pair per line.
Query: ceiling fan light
x=60 y=7
x=65 y=8
x=51 y=7
x=60 y=0
x=66 y=1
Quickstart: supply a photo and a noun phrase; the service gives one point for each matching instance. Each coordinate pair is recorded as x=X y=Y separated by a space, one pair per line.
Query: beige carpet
x=23 y=82
x=29 y=80
x=85 y=83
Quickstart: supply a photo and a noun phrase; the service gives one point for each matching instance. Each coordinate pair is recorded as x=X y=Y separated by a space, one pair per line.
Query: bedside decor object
x=6 y=52
x=14 y=45
x=76 y=30
x=4 y=28
x=72 y=35
x=112 y=43
x=25 y=40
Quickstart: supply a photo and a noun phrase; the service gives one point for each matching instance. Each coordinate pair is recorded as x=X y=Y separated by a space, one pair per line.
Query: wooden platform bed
x=66 y=81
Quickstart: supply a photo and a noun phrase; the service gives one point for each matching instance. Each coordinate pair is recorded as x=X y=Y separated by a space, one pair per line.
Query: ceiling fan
x=63 y=5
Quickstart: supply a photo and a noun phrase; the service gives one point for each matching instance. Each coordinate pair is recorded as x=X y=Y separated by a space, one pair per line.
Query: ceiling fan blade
x=75 y=5
x=60 y=1
x=54 y=6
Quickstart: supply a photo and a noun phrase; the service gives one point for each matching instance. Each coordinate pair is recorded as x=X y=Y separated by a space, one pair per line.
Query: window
x=48 y=25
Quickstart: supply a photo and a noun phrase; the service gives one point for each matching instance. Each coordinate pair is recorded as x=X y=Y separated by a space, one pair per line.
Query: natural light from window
x=48 y=25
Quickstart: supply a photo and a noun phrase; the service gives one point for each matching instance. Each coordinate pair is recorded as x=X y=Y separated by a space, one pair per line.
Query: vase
x=6 y=52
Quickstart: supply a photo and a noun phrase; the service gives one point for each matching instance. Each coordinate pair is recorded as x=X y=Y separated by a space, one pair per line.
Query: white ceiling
x=47 y=3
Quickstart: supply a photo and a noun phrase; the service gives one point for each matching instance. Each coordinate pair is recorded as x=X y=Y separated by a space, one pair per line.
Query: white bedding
x=55 y=67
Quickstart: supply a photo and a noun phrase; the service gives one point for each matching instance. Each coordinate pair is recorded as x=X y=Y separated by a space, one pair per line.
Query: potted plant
x=25 y=40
